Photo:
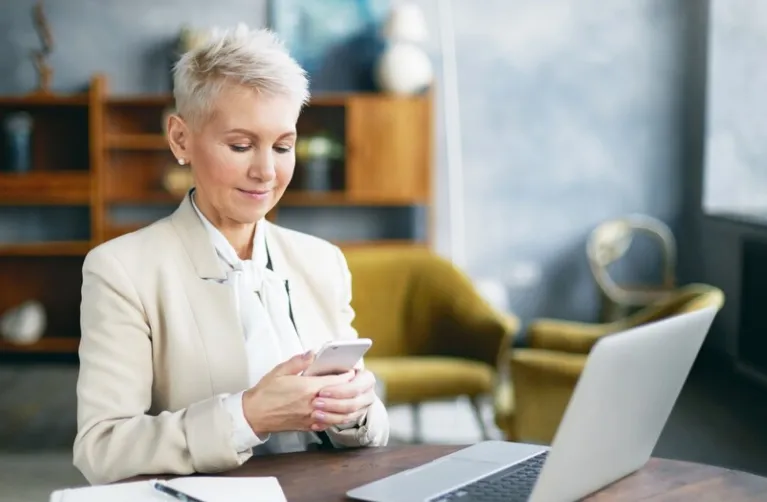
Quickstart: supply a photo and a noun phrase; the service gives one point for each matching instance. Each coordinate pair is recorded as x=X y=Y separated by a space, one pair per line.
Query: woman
x=196 y=328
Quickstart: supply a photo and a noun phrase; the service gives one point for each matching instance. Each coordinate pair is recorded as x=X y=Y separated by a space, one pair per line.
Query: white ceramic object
x=404 y=69
x=406 y=23
x=24 y=324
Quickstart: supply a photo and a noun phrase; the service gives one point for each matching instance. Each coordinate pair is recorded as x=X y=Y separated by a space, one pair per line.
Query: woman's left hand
x=344 y=403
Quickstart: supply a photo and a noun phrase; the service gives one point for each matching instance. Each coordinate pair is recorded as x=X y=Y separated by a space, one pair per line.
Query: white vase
x=24 y=324
x=403 y=69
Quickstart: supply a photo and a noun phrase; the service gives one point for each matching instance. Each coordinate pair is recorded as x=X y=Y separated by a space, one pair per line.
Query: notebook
x=206 y=488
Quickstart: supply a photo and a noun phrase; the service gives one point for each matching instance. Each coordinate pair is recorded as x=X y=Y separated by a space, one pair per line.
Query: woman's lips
x=255 y=194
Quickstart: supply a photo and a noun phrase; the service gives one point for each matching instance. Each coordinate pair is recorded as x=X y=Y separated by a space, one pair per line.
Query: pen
x=176 y=494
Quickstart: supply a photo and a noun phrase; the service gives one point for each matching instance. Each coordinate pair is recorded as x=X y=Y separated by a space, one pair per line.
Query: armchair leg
x=476 y=406
x=415 y=411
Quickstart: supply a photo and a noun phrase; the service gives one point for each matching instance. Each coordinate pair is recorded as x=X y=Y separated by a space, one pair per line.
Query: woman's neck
x=239 y=235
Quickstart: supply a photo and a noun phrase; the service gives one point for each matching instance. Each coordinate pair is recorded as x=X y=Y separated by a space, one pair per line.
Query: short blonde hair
x=252 y=58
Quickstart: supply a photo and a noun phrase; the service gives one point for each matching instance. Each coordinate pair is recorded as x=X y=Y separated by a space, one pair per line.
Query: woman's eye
x=239 y=148
x=283 y=149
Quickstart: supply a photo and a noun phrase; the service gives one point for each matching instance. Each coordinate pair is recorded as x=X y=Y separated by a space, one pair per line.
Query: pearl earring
x=181 y=161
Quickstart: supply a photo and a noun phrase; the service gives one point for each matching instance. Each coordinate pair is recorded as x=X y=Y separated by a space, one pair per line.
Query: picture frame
x=335 y=41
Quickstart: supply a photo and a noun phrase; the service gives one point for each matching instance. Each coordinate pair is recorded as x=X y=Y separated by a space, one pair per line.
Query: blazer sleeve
x=373 y=429
x=117 y=438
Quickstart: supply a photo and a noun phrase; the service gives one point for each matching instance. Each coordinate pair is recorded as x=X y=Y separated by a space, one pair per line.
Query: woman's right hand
x=282 y=399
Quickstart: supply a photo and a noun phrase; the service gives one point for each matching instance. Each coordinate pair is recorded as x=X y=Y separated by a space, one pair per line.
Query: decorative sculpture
x=44 y=70
x=18 y=138
x=611 y=241
x=24 y=324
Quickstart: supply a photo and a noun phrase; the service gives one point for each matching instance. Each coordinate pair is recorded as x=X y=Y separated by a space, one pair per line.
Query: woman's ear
x=178 y=138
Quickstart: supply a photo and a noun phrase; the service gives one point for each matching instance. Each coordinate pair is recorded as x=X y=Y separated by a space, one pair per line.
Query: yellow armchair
x=577 y=337
x=434 y=337
x=543 y=377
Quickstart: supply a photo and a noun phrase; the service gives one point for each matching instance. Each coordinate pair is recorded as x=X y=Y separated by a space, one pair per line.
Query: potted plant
x=316 y=153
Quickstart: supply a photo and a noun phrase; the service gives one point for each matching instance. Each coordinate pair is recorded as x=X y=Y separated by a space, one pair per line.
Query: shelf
x=141 y=100
x=53 y=248
x=137 y=142
x=163 y=100
x=45 y=188
x=47 y=344
x=289 y=199
x=117 y=230
x=296 y=198
x=144 y=198
x=330 y=99
x=28 y=100
x=383 y=243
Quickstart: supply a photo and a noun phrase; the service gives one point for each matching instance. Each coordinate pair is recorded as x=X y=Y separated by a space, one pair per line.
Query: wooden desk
x=327 y=476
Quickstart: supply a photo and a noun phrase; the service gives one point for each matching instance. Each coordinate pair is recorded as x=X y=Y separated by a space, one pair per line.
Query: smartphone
x=338 y=357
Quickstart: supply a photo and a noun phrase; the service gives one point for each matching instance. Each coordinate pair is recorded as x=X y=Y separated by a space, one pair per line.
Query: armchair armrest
x=568 y=336
x=549 y=364
x=457 y=320
x=478 y=332
x=543 y=382
x=577 y=337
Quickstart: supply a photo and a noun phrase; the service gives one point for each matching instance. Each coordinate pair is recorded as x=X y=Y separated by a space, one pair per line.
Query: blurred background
x=509 y=179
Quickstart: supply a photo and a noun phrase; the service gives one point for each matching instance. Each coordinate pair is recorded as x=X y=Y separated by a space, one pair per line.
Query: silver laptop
x=614 y=418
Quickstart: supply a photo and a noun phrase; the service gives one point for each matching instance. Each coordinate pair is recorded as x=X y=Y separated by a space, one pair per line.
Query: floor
x=718 y=420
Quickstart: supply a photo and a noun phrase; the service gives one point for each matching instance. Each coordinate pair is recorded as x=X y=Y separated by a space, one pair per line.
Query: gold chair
x=434 y=337
x=543 y=376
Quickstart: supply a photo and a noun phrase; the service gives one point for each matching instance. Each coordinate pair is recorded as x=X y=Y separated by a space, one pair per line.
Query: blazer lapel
x=213 y=304
x=305 y=317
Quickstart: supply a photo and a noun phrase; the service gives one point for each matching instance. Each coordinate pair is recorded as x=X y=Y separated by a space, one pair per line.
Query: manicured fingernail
x=324 y=393
x=319 y=415
x=319 y=404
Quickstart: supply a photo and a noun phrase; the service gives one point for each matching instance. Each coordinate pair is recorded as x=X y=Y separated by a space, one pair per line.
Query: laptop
x=615 y=416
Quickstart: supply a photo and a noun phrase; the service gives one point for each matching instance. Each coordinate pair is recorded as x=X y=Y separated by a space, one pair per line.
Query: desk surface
x=325 y=476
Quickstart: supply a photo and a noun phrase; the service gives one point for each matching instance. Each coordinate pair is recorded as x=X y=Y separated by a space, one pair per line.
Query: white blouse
x=270 y=336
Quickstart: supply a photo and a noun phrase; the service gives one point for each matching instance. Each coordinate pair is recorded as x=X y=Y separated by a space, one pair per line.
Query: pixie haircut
x=252 y=58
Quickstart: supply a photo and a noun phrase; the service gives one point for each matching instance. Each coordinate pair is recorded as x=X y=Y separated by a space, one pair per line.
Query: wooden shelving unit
x=48 y=345
x=137 y=142
x=51 y=248
x=45 y=188
x=387 y=163
x=38 y=100
x=61 y=177
x=108 y=156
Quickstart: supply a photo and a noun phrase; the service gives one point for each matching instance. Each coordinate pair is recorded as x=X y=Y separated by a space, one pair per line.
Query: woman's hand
x=283 y=399
x=344 y=402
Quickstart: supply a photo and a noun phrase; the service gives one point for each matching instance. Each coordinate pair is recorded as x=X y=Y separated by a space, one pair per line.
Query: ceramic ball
x=404 y=69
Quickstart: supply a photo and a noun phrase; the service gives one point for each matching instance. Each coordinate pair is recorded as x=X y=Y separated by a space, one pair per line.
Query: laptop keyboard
x=513 y=484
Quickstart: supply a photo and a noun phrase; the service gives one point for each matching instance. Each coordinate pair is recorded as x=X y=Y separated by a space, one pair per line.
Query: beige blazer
x=161 y=340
